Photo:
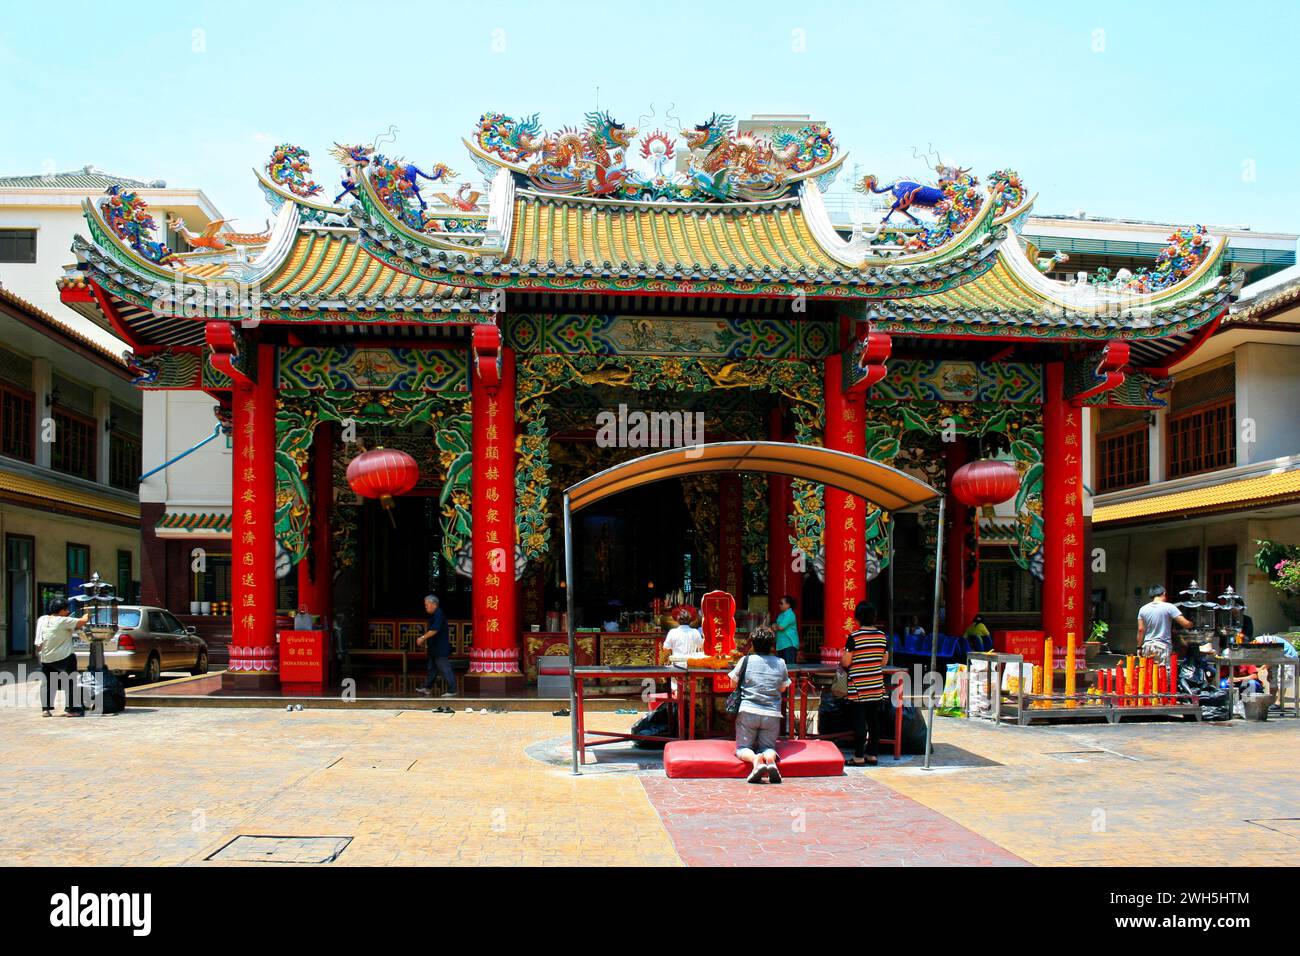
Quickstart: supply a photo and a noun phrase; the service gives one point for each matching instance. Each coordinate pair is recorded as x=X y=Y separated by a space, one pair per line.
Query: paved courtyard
x=177 y=785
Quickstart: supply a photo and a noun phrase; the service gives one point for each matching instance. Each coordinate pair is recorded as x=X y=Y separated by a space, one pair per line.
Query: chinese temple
x=609 y=291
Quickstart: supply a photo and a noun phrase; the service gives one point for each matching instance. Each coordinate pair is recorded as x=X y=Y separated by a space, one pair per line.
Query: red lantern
x=382 y=473
x=985 y=482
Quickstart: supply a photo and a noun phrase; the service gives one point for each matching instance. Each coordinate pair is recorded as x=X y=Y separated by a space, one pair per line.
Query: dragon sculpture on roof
x=289 y=168
x=591 y=161
x=395 y=176
x=127 y=214
x=723 y=165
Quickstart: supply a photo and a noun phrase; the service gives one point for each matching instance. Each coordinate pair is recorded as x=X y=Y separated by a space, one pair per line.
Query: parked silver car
x=147 y=641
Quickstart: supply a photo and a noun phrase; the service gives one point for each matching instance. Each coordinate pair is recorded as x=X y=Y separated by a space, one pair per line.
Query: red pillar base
x=246 y=682
x=493 y=685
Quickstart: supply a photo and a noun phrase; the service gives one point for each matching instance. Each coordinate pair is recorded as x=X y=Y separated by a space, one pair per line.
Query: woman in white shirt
x=684 y=639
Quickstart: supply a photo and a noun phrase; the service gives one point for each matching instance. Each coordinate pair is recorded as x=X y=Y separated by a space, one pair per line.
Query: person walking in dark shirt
x=436 y=642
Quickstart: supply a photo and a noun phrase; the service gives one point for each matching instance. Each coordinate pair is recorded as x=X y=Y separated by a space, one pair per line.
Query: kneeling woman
x=762 y=678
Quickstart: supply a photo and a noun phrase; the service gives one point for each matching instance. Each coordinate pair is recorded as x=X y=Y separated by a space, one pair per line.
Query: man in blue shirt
x=436 y=641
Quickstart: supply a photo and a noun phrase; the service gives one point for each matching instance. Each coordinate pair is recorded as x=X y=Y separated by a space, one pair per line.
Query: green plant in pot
x=1096 y=642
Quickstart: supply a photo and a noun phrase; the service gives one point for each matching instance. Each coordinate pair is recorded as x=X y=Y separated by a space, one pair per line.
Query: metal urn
x=1200 y=612
x=100 y=689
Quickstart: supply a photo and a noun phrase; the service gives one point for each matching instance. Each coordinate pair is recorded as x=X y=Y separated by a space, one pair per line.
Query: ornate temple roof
x=566 y=213
x=299 y=272
x=778 y=247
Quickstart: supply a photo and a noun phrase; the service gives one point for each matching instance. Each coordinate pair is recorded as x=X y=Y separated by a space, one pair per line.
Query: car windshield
x=126 y=617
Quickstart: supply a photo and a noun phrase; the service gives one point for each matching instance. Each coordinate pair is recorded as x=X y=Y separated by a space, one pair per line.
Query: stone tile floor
x=174 y=786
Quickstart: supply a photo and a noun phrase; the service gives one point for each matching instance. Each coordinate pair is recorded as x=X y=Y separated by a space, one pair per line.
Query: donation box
x=302 y=657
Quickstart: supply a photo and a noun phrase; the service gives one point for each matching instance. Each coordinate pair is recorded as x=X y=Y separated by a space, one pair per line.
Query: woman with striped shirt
x=864 y=657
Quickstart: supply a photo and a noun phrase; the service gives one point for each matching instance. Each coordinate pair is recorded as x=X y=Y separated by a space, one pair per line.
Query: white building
x=58 y=363
x=1188 y=491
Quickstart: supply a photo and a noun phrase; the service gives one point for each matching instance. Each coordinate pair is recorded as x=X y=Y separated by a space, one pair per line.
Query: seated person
x=683 y=639
x=1249 y=679
x=978 y=636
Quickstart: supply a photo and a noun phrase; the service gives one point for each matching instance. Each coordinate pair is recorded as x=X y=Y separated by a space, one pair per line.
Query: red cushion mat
x=696 y=759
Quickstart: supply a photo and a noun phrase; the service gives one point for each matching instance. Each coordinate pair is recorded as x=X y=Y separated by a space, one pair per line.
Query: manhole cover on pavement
x=1086 y=756
x=281 y=849
x=1288 y=826
x=359 y=762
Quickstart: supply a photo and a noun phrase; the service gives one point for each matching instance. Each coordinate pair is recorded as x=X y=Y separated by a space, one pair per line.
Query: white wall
x=173 y=422
x=1266 y=397
x=55 y=226
x=1135 y=560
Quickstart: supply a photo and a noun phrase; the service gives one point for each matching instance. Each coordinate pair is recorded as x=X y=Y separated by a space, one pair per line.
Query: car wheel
x=201 y=665
x=152 y=670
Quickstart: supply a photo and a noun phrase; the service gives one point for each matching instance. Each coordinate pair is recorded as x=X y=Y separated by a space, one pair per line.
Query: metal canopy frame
x=886 y=487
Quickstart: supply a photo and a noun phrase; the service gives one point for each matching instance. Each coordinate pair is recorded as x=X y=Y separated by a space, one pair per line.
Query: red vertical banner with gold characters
x=495 y=649
x=1064 y=606
x=844 y=537
x=252 y=546
x=731 y=563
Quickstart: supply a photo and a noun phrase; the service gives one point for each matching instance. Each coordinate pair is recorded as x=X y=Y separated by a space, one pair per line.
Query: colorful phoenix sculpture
x=213 y=238
x=723 y=166
x=289 y=168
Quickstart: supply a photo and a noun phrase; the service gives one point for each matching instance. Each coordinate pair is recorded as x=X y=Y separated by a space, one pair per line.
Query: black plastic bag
x=1197 y=676
x=913 y=726
x=660 y=722
x=101 y=692
x=833 y=715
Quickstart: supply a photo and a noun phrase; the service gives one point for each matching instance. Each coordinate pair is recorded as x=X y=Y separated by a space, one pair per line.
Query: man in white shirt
x=1155 y=626
x=55 y=634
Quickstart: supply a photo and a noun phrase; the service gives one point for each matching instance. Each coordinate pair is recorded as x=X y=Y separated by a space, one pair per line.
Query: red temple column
x=316 y=570
x=494 y=653
x=843 y=538
x=961 y=599
x=1063 y=553
x=253 y=654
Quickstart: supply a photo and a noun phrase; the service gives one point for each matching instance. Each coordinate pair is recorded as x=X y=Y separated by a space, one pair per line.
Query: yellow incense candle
x=1069 y=670
x=1130 y=663
x=1049 y=675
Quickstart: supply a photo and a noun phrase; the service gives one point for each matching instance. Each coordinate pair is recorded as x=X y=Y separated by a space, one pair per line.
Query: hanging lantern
x=985 y=482
x=382 y=473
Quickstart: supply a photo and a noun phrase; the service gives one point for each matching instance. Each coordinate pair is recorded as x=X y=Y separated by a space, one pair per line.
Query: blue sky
x=1182 y=112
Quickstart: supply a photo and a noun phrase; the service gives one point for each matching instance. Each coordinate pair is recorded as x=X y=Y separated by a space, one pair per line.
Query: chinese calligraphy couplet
x=730 y=525
x=495 y=649
x=252 y=545
x=844 y=534
x=782 y=578
x=1064 y=607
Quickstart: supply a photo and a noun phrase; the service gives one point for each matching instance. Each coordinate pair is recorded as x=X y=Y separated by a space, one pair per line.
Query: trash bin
x=1256 y=705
